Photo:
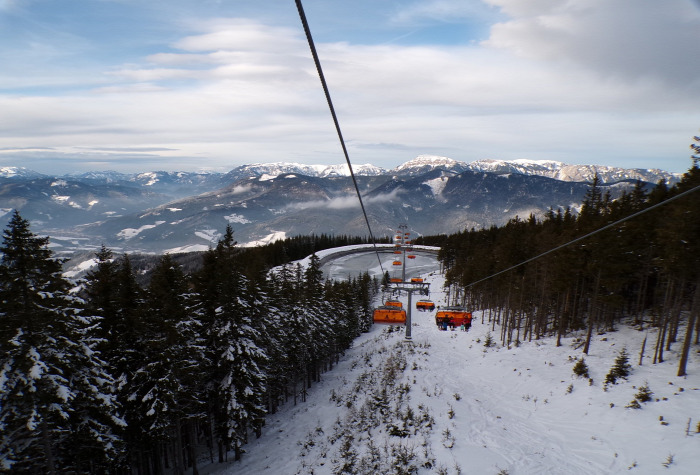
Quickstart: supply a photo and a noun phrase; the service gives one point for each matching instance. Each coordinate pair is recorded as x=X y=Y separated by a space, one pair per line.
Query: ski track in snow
x=508 y=409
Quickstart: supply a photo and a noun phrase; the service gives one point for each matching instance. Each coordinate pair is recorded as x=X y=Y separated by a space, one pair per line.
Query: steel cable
x=305 y=24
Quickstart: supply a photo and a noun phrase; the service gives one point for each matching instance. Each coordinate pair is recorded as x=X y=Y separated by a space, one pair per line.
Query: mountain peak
x=427 y=163
x=428 y=160
x=18 y=172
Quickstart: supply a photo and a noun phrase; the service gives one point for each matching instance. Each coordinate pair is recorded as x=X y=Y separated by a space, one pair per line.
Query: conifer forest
x=112 y=377
x=646 y=268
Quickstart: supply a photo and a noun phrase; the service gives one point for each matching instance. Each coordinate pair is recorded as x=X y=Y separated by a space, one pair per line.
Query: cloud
x=237 y=190
x=345 y=202
x=629 y=39
x=572 y=81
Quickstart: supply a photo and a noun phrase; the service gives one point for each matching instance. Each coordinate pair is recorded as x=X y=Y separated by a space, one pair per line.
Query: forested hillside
x=646 y=267
x=114 y=377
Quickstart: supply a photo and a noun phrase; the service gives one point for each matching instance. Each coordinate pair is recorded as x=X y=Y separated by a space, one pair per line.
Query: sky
x=135 y=86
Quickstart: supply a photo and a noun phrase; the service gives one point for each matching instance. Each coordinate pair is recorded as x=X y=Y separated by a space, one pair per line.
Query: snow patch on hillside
x=211 y=235
x=130 y=233
x=269 y=239
x=237 y=218
x=437 y=184
x=188 y=248
x=150 y=177
x=78 y=269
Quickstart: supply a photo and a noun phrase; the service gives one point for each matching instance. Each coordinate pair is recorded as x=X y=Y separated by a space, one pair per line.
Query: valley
x=176 y=212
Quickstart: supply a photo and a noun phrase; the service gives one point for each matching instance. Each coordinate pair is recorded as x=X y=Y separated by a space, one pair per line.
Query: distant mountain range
x=184 y=211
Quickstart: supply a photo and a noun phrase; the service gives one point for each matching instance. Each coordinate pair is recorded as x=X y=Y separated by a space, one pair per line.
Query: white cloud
x=628 y=38
x=345 y=202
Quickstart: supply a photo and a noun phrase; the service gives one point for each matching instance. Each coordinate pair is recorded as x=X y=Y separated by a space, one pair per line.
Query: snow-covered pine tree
x=112 y=294
x=367 y=289
x=168 y=386
x=276 y=336
x=321 y=318
x=237 y=379
x=56 y=410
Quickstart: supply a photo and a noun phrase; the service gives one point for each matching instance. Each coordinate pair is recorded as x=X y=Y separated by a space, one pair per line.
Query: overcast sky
x=138 y=85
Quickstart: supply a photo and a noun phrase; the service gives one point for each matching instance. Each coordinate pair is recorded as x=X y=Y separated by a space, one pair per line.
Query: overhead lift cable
x=305 y=24
x=608 y=226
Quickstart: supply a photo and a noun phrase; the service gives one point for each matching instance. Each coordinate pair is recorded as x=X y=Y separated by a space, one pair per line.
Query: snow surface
x=497 y=410
x=437 y=184
x=129 y=233
x=189 y=248
x=9 y=172
x=237 y=218
x=152 y=178
x=80 y=268
x=270 y=238
x=426 y=160
x=210 y=235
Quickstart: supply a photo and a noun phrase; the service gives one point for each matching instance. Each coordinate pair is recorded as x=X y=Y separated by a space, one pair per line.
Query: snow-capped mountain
x=564 y=172
x=427 y=163
x=273 y=170
x=157 y=211
x=18 y=172
x=261 y=208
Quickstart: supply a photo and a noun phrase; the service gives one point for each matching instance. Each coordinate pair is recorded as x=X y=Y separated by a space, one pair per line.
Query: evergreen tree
x=621 y=369
x=56 y=411
x=168 y=383
x=113 y=297
x=237 y=382
x=695 y=147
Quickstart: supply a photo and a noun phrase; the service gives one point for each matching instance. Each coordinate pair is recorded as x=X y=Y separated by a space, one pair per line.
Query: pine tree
x=581 y=368
x=56 y=411
x=621 y=369
x=116 y=300
x=168 y=383
x=237 y=382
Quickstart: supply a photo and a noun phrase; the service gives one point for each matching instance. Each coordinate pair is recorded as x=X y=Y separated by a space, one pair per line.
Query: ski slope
x=444 y=403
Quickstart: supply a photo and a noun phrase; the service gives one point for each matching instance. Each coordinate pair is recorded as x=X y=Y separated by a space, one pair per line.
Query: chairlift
x=388 y=314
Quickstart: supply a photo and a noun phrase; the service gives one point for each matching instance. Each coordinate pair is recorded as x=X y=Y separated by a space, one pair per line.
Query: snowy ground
x=445 y=404
x=343 y=267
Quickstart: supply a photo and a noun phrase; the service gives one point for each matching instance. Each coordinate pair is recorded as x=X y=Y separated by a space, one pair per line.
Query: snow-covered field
x=444 y=403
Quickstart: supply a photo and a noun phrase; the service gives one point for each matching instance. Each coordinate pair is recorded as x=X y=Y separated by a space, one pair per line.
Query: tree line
x=645 y=270
x=108 y=376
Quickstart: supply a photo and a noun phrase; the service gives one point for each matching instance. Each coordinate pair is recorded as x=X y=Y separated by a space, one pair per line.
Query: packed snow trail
x=453 y=406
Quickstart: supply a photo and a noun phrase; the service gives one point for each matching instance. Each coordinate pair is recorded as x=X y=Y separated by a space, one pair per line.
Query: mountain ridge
x=178 y=211
x=420 y=164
